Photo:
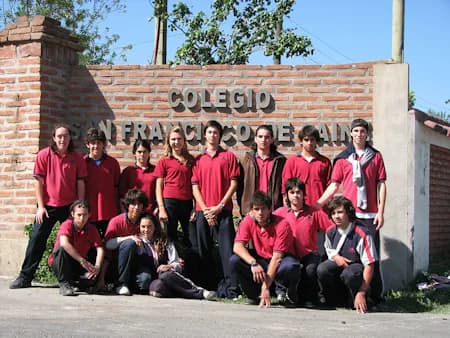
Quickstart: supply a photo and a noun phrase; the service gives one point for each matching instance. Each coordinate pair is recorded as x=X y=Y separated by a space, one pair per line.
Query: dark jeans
x=339 y=286
x=203 y=238
x=178 y=211
x=308 y=287
x=376 y=286
x=126 y=261
x=174 y=284
x=145 y=273
x=286 y=279
x=38 y=239
x=67 y=269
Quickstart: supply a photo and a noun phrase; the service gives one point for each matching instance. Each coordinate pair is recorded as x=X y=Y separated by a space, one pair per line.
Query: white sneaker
x=123 y=290
x=209 y=295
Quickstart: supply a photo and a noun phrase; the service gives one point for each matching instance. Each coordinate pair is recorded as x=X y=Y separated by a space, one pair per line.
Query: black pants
x=339 y=285
x=67 y=269
x=178 y=211
x=203 y=239
x=308 y=287
x=38 y=239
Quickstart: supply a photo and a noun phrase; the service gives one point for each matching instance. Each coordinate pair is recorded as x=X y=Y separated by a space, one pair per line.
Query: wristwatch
x=222 y=205
x=253 y=263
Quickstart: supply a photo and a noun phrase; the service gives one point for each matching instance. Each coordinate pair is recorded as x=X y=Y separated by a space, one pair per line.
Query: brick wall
x=439 y=202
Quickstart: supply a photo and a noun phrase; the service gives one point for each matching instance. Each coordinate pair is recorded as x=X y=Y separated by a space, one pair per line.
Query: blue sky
x=342 y=31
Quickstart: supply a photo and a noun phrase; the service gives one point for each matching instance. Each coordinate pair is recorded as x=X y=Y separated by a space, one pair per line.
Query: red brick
x=7 y=52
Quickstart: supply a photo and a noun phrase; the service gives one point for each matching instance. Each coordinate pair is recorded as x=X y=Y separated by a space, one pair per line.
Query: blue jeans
x=38 y=239
x=126 y=257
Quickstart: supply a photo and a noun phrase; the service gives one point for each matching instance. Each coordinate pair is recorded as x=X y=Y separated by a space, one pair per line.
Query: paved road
x=42 y=312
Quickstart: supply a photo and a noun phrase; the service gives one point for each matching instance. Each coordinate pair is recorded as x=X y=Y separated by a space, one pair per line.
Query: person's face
x=340 y=217
x=176 y=141
x=309 y=144
x=359 y=135
x=96 y=149
x=142 y=155
x=134 y=210
x=62 y=139
x=212 y=136
x=263 y=140
x=261 y=214
x=147 y=228
x=295 y=197
x=80 y=217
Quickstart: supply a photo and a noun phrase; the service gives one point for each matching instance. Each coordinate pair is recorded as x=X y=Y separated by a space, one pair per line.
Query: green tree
x=234 y=30
x=411 y=99
x=82 y=17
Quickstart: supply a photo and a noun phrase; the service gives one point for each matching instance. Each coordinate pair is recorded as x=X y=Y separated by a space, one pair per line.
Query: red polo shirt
x=102 y=187
x=304 y=228
x=60 y=174
x=374 y=172
x=177 y=178
x=265 y=169
x=275 y=237
x=213 y=176
x=120 y=226
x=315 y=174
x=81 y=239
x=133 y=177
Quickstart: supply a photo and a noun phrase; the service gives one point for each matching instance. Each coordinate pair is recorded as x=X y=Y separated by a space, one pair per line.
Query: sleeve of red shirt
x=195 y=169
x=66 y=228
x=337 y=173
x=234 y=167
x=329 y=171
x=381 y=169
x=243 y=232
x=81 y=167
x=40 y=165
x=322 y=219
x=111 y=229
x=96 y=240
x=160 y=170
x=284 y=239
x=123 y=182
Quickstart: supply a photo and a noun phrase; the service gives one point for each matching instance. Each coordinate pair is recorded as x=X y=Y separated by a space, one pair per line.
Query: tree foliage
x=82 y=17
x=234 y=30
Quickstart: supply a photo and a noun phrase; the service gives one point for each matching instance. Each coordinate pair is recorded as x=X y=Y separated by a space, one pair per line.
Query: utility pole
x=160 y=49
x=398 y=30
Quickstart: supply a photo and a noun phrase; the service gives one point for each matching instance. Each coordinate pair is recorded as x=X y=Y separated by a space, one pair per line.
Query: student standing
x=60 y=174
x=173 y=185
x=214 y=181
x=262 y=169
x=140 y=175
x=309 y=166
x=360 y=169
x=103 y=174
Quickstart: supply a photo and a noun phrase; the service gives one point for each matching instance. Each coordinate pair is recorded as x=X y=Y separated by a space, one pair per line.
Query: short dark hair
x=214 y=124
x=64 y=125
x=141 y=142
x=260 y=198
x=94 y=134
x=309 y=131
x=341 y=201
x=134 y=196
x=79 y=204
x=268 y=127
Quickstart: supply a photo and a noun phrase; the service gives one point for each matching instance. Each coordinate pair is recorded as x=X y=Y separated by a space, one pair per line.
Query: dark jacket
x=249 y=180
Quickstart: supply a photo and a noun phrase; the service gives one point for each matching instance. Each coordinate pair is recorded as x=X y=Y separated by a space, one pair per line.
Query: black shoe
x=20 y=283
x=66 y=289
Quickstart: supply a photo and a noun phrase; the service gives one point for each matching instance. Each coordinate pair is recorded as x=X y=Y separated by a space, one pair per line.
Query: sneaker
x=123 y=290
x=155 y=294
x=209 y=295
x=283 y=299
x=66 y=289
x=20 y=283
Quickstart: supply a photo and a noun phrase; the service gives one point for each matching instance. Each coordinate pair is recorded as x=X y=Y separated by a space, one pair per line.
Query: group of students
x=132 y=219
